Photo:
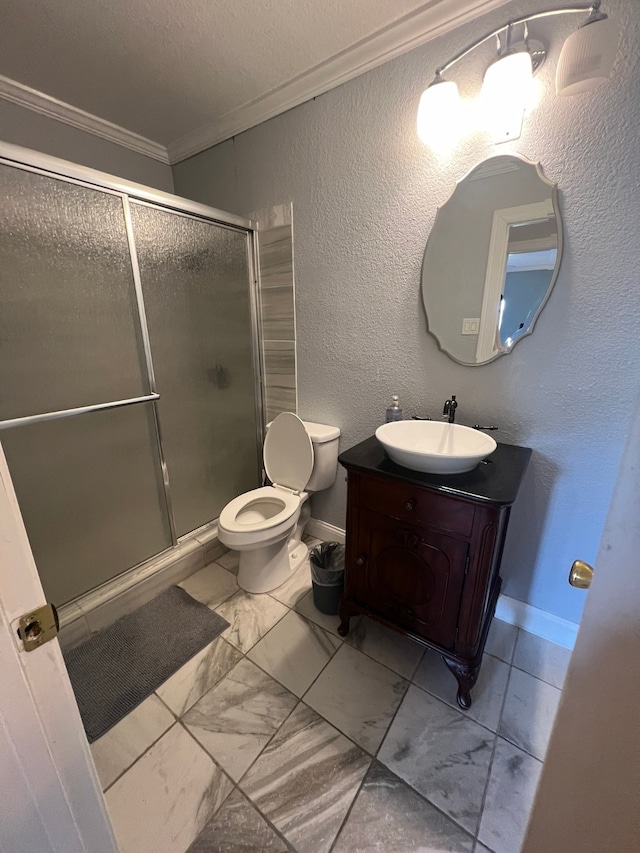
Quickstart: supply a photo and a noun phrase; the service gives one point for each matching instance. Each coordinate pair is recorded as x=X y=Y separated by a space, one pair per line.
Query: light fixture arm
x=568 y=10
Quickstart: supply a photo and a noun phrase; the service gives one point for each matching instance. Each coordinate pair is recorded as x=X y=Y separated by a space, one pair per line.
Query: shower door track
x=35 y=161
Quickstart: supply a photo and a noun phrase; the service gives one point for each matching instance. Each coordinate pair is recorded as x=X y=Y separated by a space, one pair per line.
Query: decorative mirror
x=492 y=259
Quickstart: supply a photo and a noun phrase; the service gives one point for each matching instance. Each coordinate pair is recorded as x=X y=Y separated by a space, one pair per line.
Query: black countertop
x=496 y=480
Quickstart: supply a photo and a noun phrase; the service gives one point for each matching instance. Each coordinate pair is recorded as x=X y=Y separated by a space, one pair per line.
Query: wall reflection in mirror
x=491 y=259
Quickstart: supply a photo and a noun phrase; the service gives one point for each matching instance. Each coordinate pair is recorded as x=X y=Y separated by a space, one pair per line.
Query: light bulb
x=439 y=113
x=506 y=92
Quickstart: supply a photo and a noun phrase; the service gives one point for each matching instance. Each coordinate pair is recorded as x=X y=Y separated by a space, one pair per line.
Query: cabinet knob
x=360 y=561
x=409 y=505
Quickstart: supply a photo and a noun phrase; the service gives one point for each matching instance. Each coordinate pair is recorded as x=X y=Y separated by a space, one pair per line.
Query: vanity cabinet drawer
x=415 y=505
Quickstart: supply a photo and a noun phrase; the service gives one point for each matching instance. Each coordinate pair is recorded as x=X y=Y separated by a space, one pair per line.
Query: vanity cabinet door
x=410 y=575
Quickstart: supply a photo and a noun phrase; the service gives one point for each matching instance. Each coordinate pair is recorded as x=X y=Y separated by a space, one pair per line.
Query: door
x=588 y=795
x=51 y=799
x=85 y=466
x=195 y=281
x=411 y=575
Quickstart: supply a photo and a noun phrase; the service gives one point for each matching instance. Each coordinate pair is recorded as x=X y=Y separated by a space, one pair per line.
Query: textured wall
x=31 y=130
x=365 y=191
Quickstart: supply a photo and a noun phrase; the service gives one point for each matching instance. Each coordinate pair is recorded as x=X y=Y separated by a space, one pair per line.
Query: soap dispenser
x=394 y=412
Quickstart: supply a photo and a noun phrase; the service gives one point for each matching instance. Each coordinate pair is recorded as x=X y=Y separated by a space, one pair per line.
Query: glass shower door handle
x=79 y=410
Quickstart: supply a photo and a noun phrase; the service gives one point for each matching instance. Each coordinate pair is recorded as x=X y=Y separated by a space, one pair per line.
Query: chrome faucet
x=450 y=407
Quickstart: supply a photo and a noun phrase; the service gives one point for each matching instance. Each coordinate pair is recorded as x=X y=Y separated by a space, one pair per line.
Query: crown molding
x=38 y=102
x=432 y=20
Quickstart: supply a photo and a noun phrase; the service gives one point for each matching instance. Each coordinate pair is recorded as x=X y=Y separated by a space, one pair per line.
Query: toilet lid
x=288 y=452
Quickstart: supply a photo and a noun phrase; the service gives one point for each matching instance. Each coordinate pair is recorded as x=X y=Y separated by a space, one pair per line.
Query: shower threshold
x=102 y=606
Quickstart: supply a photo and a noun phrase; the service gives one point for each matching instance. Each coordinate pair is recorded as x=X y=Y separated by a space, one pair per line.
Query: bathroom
x=365 y=192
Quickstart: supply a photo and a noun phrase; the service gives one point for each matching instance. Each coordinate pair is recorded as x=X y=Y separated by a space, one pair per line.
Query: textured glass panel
x=195 y=280
x=68 y=318
x=91 y=496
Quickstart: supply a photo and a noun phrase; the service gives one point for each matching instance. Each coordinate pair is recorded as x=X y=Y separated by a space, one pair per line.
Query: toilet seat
x=273 y=504
x=264 y=516
x=288 y=452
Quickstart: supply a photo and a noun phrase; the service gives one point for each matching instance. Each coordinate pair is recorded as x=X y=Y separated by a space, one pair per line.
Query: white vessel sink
x=435 y=447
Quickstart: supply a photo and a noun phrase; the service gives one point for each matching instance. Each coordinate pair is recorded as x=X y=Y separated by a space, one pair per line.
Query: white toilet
x=266 y=525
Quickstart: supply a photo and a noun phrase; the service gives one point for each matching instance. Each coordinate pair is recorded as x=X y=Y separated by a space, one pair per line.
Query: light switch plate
x=470 y=325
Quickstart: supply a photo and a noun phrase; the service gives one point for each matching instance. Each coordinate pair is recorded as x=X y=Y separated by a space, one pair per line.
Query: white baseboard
x=540 y=622
x=325 y=531
x=547 y=625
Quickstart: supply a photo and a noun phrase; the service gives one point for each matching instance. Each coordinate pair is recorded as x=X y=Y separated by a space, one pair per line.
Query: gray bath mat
x=119 y=667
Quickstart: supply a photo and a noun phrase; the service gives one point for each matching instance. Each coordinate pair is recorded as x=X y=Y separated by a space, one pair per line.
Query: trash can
x=327 y=576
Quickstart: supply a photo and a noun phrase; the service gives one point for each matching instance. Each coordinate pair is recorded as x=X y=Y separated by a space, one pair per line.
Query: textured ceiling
x=165 y=68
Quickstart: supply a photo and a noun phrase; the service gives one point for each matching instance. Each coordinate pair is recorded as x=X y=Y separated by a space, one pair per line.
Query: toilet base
x=298 y=553
x=265 y=569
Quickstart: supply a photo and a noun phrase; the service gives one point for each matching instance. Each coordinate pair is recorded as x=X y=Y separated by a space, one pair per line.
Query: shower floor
x=281 y=736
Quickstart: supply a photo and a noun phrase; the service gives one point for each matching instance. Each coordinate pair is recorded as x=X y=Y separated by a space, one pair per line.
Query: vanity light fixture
x=585 y=62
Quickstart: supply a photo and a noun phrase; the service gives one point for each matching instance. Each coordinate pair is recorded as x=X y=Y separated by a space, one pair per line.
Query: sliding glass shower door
x=197 y=302
x=91 y=496
x=69 y=328
x=127 y=384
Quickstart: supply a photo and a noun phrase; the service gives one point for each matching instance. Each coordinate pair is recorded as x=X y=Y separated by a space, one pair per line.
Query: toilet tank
x=325 y=455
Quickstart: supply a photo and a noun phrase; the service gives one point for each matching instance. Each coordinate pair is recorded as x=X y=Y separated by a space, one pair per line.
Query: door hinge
x=38 y=626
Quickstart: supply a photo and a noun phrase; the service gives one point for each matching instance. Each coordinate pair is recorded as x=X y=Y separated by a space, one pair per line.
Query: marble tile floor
x=280 y=736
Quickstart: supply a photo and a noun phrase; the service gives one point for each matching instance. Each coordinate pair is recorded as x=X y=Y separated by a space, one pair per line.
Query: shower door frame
x=35 y=162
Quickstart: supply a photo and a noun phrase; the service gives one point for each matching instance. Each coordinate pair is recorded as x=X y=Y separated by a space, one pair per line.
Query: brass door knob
x=581 y=574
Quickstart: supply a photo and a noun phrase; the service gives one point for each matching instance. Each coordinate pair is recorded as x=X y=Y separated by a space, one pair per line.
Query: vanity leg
x=466 y=676
x=344 y=611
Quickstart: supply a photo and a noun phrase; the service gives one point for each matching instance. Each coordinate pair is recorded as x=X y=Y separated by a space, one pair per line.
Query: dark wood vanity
x=423 y=551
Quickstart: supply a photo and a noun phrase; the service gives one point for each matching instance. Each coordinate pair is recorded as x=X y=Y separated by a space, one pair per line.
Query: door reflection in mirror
x=532 y=253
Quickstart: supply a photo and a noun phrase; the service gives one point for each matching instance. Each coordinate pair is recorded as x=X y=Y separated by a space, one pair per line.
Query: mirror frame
x=556 y=207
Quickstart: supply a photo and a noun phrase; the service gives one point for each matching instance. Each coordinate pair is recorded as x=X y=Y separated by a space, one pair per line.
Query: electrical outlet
x=470 y=325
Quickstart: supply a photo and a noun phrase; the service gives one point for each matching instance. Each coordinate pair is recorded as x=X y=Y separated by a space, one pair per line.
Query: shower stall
x=130 y=394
